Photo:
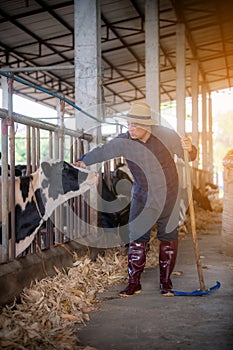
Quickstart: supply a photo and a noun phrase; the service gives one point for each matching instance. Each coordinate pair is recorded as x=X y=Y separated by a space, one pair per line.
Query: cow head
x=60 y=181
x=122 y=180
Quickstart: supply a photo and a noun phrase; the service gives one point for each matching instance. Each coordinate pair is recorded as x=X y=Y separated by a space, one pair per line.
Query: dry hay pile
x=217 y=204
x=50 y=310
x=153 y=253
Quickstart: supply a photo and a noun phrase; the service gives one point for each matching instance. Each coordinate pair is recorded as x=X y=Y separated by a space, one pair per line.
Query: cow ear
x=46 y=167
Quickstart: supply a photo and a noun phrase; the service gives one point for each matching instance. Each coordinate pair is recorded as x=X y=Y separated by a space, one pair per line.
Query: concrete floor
x=151 y=322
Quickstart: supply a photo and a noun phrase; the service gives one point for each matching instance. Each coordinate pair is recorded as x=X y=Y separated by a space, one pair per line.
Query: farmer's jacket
x=151 y=164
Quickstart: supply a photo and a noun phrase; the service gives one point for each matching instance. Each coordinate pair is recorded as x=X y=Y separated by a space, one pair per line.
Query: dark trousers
x=142 y=220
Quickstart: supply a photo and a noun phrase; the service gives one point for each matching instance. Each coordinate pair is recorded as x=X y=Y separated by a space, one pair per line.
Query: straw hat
x=140 y=113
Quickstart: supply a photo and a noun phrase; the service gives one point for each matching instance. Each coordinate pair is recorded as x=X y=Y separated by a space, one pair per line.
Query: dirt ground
x=150 y=321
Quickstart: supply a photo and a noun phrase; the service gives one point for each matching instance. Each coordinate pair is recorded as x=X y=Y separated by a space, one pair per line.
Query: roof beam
x=37 y=11
x=122 y=41
x=123 y=76
x=30 y=33
x=55 y=15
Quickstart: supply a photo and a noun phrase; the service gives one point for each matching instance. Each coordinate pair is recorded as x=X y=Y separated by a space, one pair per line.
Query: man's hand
x=186 y=144
x=80 y=164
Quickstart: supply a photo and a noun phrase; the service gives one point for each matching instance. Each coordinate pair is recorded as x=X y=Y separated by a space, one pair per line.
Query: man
x=149 y=151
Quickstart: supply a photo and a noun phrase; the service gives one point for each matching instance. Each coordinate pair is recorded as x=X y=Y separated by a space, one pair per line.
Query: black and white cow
x=19 y=169
x=115 y=208
x=37 y=195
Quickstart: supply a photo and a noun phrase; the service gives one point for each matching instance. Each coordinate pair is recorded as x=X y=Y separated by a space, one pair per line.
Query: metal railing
x=57 y=137
x=60 y=143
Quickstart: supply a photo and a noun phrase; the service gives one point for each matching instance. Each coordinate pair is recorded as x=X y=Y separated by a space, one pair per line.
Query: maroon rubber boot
x=167 y=260
x=136 y=264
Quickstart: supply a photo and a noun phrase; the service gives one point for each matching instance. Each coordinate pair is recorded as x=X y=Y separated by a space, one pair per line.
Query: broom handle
x=193 y=222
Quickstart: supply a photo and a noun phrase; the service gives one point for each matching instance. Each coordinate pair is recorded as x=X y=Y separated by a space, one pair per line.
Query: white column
x=204 y=130
x=87 y=62
x=210 y=137
x=194 y=85
x=87 y=32
x=180 y=78
x=4 y=92
x=152 y=57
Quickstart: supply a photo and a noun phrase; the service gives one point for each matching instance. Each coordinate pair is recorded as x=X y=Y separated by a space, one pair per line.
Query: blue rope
x=54 y=94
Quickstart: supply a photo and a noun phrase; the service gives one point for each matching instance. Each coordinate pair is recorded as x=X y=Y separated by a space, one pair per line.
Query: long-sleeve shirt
x=151 y=164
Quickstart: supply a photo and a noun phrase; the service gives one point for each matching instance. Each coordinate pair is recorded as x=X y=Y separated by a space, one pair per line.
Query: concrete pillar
x=87 y=31
x=87 y=62
x=180 y=78
x=152 y=57
x=4 y=86
x=204 y=130
x=210 y=138
x=227 y=215
x=194 y=90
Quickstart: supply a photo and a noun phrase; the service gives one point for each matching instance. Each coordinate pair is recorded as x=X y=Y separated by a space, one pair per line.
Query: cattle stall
x=57 y=137
x=59 y=143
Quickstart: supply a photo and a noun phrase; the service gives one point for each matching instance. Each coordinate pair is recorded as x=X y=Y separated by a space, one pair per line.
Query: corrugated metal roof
x=40 y=33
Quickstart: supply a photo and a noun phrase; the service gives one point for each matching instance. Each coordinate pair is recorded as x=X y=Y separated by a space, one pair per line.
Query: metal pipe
x=33 y=150
x=36 y=69
x=71 y=149
x=60 y=115
x=12 y=165
x=60 y=118
x=28 y=146
x=20 y=118
x=37 y=148
x=57 y=210
x=24 y=82
x=70 y=214
x=5 y=234
x=50 y=144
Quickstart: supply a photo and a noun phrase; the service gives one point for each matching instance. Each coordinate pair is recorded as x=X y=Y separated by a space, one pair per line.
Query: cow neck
x=35 y=200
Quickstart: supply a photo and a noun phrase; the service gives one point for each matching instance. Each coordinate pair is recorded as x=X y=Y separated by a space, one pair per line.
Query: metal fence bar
x=37 y=148
x=60 y=211
x=28 y=146
x=4 y=188
x=50 y=144
x=33 y=153
x=70 y=215
x=12 y=166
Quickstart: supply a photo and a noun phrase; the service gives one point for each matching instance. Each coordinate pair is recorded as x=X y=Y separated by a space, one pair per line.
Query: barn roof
x=41 y=33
